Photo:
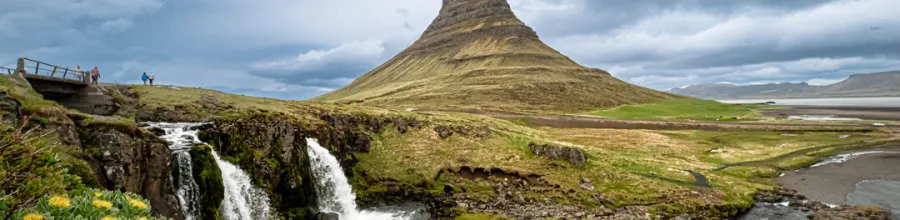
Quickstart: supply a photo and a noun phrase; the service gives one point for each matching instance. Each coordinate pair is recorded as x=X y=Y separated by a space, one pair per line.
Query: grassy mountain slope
x=477 y=54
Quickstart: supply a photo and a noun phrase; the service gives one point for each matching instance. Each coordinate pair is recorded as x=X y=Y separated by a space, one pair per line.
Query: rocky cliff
x=132 y=160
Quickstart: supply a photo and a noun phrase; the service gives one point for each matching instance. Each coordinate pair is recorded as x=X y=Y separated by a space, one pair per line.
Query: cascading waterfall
x=335 y=194
x=186 y=189
x=241 y=200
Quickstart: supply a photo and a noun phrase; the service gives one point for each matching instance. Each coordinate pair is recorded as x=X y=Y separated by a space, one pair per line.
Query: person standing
x=95 y=75
x=80 y=73
x=151 y=77
x=144 y=78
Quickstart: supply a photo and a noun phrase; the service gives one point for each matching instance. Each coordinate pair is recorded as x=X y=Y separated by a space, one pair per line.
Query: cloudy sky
x=297 y=49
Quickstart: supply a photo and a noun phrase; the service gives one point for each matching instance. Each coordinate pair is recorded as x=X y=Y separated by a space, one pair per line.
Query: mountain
x=857 y=85
x=477 y=54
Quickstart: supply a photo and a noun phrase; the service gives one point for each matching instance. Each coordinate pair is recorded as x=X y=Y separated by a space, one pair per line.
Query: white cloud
x=699 y=34
x=359 y=51
x=116 y=25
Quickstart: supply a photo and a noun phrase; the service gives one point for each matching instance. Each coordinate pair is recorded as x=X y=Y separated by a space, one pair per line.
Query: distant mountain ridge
x=857 y=85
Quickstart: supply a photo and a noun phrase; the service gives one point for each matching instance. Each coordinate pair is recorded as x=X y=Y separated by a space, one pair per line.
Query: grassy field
x=630 y=167
x=685 y=109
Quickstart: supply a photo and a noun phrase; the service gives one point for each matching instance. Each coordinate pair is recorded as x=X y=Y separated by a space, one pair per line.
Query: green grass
x=685 y=109
x=619 y=161
x=33 y=103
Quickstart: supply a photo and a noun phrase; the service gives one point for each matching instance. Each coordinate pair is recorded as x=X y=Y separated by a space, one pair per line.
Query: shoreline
x=860 y=112
x=834 y=183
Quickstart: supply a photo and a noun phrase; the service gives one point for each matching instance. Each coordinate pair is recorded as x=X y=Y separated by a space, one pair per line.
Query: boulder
x=157 y=131
x=443 y=132
x=327 y=216
x=573 y=155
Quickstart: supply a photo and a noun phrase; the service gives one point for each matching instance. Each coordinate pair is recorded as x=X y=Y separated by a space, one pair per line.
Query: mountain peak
x=478 y=54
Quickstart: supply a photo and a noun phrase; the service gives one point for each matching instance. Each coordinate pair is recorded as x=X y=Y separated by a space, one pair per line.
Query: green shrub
x=89 y=204
x=29 y=170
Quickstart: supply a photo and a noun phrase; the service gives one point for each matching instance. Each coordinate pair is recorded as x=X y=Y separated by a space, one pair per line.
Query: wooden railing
x=9 y=71
x=45 y=69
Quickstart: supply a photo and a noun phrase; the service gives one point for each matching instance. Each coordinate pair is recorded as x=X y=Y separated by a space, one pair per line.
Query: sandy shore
x=832 y=183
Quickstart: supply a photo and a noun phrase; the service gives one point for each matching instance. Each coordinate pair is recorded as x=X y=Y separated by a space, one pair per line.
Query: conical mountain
x=477 y=54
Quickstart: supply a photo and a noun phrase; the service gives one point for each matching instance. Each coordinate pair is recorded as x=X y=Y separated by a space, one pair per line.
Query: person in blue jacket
x=144 y=78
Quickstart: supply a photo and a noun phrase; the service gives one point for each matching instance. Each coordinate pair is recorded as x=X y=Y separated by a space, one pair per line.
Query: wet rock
x=443 y=131
x=201 y=127
x=851 y=212
x=327 y=216
x=573 y=155
x=157 y=131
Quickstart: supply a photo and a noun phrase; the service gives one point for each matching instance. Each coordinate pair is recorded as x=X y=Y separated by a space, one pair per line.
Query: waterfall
x=241 y=200
x=335 y=194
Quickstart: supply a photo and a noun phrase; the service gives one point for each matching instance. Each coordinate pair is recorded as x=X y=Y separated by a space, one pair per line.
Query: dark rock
x=284 y=170
x=201 y=127
x=208 y=177
x=157 y=131
x=443 y=132
x=573 y=155
x=132 y=161
x=852 y=212
x=327 y=216
x=10 y=109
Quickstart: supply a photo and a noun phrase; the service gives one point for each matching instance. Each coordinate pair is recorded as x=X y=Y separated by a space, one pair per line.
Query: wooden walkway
x=38 y=70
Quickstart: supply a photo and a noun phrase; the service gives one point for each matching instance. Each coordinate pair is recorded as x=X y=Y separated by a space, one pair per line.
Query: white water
x=186 y=189
x=335 y=194
x=840 y=158
x=241 y=200
x=821 y=118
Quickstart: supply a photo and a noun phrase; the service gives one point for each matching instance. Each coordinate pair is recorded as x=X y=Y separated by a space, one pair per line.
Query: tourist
x=151 y=77
x=80 y=73
x=95 y=75
x=144 y=78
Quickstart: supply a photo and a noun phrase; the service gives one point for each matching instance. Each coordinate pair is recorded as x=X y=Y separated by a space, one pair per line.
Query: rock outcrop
x=133 y=160
x=272 y=150
x=208 y=177
x=572 y=155
x=10 y=109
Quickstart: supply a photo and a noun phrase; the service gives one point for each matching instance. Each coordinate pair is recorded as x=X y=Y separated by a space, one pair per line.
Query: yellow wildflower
x=108 y=218
x=97 y=194
x=59 y=202
x=33 y=216
x=137 y=204
x=102 y=204
x=142 y=218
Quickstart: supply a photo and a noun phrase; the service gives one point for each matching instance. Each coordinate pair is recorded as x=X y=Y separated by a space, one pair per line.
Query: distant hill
x=857 y=85
x=477 y=54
